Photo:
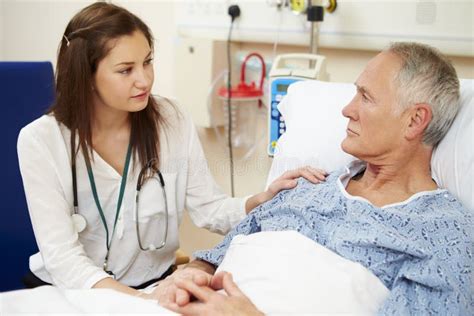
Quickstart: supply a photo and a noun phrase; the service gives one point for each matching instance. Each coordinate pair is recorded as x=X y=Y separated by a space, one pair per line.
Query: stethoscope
x=149 y=171
x=154 y=173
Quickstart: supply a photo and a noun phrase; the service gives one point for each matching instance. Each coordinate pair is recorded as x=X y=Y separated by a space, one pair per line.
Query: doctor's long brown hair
x=85 y=43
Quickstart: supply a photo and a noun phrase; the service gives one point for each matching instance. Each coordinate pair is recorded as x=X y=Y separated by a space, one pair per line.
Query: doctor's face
x=375 y=128
x=124 y=78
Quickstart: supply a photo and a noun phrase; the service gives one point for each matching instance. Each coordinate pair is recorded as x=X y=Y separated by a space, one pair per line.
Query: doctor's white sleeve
x=50 y=211
x=208 y=207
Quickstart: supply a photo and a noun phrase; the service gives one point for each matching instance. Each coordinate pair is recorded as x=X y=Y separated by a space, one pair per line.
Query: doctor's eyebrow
x=128 y=63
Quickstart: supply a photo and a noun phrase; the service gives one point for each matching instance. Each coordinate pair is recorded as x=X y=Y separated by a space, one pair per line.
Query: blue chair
x=26 y=91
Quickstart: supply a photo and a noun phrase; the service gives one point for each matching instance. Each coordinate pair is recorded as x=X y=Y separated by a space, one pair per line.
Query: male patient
x=383 y=211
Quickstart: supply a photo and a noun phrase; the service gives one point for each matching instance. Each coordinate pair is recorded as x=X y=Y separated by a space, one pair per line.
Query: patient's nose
x=349 y=110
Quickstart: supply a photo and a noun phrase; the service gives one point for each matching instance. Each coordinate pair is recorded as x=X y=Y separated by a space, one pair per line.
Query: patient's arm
x=197 y=271
x=211 y=302
x=439 y=281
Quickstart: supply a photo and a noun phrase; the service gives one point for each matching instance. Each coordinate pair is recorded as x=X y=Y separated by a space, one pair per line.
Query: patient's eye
x=365 y=97
x=148 y=61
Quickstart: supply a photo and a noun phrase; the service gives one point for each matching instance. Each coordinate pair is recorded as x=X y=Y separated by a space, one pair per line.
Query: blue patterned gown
x=421 y=249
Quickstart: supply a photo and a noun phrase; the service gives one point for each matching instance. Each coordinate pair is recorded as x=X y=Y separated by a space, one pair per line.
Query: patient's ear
x=420 y=116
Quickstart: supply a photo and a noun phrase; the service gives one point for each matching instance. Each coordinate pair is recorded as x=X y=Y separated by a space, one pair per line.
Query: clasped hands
x=191 y=291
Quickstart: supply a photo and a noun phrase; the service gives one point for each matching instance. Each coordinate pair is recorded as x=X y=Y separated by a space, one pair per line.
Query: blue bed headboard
x=26 y=91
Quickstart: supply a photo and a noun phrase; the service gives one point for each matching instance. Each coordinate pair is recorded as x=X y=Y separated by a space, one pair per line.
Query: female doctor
x=109 y=169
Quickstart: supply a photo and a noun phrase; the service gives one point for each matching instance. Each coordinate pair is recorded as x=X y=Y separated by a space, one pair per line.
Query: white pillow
x=286 y=273
x=316 y=128
x=453 y=160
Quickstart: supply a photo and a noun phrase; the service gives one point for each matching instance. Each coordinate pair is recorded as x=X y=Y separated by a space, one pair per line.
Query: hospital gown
x=421 y=249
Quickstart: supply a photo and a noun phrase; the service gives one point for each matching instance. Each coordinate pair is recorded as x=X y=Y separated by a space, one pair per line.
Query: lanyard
x=119 y=203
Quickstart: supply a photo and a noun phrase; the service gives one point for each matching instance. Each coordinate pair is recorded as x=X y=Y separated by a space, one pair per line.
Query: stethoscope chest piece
x=79 y=221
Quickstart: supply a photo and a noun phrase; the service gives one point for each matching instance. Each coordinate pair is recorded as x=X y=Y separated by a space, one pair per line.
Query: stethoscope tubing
x=137 y=192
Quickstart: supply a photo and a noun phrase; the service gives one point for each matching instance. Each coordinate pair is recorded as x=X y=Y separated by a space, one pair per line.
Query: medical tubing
x=163 y=243
x=229 y=117
x=140 y=183
x=244 y=64
x=137 y=227
x=210 y=93
x=277 y=37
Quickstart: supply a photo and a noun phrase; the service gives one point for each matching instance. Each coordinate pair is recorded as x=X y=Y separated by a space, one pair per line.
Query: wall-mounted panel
x=446 y=24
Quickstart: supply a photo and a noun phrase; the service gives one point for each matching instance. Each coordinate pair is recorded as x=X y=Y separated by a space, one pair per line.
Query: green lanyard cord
x=120 y=198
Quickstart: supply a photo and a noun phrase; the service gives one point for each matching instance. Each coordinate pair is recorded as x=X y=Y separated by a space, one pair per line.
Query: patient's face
x=374 y=130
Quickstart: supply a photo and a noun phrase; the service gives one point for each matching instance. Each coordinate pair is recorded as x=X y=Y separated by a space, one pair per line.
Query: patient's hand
x=210 y=302
x=168 y=293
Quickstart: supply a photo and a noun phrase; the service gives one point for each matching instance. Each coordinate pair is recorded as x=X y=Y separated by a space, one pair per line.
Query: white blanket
x=289 y=274
x=283 y=273
x=52 y=300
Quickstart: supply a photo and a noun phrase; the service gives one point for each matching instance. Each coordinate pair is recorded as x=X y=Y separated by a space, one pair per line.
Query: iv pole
x=315 y=14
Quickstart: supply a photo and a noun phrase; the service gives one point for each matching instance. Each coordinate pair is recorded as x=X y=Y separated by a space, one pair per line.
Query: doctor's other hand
x=210 y=302
x=286 y=181
x=168 y=293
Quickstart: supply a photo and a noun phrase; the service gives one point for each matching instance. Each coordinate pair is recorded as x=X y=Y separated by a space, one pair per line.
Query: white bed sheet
x=47 y=300
x=283 y=273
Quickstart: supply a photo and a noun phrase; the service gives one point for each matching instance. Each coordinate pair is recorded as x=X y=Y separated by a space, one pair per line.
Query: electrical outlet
x=206 y=9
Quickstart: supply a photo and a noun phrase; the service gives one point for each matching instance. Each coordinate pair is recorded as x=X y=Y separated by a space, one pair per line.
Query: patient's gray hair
x=427 y=76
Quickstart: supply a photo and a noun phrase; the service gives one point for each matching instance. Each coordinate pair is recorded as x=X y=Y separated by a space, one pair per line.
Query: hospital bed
x=310 y=110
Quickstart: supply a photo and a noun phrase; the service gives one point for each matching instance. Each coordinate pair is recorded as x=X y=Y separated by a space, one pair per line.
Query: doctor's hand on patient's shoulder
x=211 y=302
x=287 y=180
x=198 y=272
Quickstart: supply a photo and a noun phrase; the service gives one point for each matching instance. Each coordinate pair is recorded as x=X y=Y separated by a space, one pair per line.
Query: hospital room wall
x=1 y=30
x=31 y=30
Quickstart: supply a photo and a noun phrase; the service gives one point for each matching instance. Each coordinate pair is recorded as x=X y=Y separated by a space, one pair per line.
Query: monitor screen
x=282 y=87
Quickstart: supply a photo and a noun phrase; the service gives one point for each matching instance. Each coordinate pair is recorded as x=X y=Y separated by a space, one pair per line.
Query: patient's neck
x=394 y=180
